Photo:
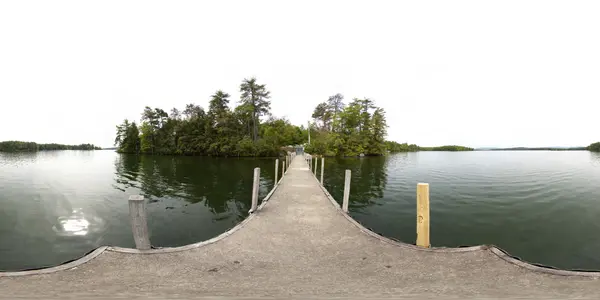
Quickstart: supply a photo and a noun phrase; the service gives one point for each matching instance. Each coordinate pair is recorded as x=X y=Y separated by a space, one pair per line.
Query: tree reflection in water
x=367 y=184
x=222 y=185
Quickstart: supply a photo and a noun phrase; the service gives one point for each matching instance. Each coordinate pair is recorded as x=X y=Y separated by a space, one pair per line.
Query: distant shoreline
x=20 y=146
x=534 y=149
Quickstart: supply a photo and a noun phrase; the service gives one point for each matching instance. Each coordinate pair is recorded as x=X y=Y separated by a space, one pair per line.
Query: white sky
x=476 y=73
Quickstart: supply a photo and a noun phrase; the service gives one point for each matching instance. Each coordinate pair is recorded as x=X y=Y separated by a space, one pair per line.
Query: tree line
x=539 y=149
x=217 y=131
x=19 y=146
x=340 y=129
x=595 y=147
x=404 y=147
x=360 y=127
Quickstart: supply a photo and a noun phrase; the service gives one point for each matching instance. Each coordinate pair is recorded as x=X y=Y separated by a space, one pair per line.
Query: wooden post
x=139 y=224
x=346 y=191
x=315 y=168
x=322 y=168
x=423 y=215
x=276 y=170
x=282 y=170
x=255 y=190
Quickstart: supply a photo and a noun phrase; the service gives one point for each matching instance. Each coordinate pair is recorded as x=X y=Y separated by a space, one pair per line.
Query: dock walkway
x=300 y=243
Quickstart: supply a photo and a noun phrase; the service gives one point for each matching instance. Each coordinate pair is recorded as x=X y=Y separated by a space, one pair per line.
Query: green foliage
x=255 y=99
x=352 y=130
x=220 y=131
x=595 y=147
x=18 y=146
x=446 y=148
x=539 y=149
x=128 y=138
x=397 y=147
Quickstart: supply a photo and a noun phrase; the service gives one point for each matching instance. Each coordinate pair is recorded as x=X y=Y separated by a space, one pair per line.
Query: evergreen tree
x=255 y=96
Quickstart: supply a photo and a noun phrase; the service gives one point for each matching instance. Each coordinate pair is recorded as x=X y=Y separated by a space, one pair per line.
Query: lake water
x=56 y=206
x=541 y=206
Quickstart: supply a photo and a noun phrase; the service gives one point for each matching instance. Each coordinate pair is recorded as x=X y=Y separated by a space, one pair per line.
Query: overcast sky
x=475 y=73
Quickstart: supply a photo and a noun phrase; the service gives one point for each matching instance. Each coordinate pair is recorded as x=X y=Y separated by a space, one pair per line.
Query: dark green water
x=542 y=206
x=56 y=206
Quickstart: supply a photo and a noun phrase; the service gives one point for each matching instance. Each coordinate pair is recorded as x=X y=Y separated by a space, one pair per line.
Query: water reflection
x=18 y=159
x=78 y=223
x=595 y=158
x=368 y=180
x=59 y=205
x=221 y=185
x=126 y=171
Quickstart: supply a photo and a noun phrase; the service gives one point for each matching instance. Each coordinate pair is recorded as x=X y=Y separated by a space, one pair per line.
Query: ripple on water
x=540 y=206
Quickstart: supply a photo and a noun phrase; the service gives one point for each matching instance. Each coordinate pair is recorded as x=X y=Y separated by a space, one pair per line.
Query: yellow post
x=423 y=215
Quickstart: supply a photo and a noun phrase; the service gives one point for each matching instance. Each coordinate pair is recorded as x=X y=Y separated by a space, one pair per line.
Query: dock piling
x=423 y=215
x=322 y=168
x=139 y=223
x=255 y=190
x=276 y=170
x=346 y=191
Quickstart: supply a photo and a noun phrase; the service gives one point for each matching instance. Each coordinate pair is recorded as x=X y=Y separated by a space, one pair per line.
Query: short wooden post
x=276 y=170
x=139 y=224
x=315 y=168
x=423 y=215
x=346 y=191
x=255 y=190
x=282 y=170
x=322 y=168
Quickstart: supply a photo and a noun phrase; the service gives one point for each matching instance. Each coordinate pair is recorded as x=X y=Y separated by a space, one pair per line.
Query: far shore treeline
x=337 y=129
x=18 y=146
x=356 y=128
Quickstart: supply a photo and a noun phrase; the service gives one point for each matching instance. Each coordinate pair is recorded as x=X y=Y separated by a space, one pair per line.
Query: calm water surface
x=56 y=206
x=541 y=206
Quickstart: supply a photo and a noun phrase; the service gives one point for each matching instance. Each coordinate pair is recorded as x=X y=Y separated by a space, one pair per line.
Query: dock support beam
x=255 y=190
x=423 y=215
x=139 y=223
x=322 y=168
x=346 y=191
